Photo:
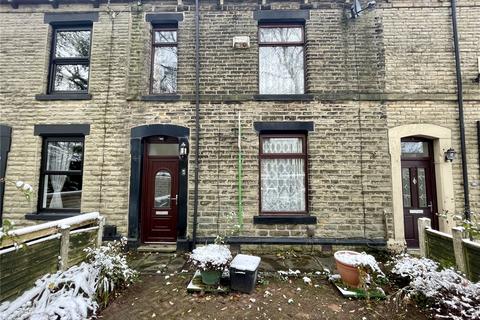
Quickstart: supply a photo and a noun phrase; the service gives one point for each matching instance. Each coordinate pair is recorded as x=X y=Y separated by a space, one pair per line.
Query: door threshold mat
x=358 y=293
x=196 y=285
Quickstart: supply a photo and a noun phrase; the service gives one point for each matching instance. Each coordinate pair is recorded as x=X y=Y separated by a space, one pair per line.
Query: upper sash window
x=281 y=59
x=164 y=60
x=70 y=59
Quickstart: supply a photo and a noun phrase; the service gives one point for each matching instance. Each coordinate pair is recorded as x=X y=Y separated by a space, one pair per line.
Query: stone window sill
x=284 y=219
x=283 y=97
x=63 y=96
x=49 y=216
x=171 y=97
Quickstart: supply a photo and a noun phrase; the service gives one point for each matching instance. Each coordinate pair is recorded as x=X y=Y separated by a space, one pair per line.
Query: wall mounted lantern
x=183 y=149
x=450 y=154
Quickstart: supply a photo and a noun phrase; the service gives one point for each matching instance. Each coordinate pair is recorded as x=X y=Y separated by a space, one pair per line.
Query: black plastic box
x=243 y=273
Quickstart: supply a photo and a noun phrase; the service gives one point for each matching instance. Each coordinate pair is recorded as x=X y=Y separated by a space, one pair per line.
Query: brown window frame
x=303 y=155
x=164 y=27
x=54 y=61
x=283 y=44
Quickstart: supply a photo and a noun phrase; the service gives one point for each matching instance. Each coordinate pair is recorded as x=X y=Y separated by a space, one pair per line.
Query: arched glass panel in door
x=163 y=182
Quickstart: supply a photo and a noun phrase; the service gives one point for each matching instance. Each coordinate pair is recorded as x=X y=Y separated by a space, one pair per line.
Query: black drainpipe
x=460 y=110
x=197 y=120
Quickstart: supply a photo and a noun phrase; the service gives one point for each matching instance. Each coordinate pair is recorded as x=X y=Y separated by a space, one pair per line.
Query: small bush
x=448 y=294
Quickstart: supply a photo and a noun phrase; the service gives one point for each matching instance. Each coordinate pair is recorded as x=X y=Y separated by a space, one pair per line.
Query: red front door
x=418 y=184
x=159 y=199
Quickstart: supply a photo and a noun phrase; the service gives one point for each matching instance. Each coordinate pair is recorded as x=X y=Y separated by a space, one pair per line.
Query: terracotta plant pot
x=211 y=277
x=348 y=272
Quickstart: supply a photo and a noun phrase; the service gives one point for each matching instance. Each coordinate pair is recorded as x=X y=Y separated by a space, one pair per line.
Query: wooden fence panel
x=440 y=248
x=78 y=242
x=19 y=269
x=472 y=257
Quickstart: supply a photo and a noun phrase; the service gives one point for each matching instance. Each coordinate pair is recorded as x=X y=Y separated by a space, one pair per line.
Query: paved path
x=161 y=293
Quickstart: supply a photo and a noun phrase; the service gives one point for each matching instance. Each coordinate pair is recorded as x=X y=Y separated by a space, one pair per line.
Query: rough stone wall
x=420 y=71
x=392 y=66
x=24 y=66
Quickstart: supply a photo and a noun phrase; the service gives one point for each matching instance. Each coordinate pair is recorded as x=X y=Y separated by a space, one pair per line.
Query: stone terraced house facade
x=344 y=122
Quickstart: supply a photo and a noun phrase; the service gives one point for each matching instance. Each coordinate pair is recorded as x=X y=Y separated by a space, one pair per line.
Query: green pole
x=240 y=176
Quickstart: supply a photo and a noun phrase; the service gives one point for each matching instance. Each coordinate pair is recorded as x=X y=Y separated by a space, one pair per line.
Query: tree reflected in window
x=164 y=61
x=281 y=60
x=70 y=60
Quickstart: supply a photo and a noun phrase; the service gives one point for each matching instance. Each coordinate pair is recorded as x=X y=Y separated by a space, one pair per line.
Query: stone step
x=158 y=247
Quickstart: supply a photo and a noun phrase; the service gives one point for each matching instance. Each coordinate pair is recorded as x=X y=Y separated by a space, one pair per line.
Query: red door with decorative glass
x=418 y=186
x=160 y=192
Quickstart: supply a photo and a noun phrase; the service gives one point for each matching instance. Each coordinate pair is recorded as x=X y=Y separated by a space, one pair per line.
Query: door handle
x=176 y=199
x=430 y=205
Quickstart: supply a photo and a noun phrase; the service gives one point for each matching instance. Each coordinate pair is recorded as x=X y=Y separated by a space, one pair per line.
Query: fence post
x=64 y=244
x=101 y=223
x=457 y=234
x=423 y=223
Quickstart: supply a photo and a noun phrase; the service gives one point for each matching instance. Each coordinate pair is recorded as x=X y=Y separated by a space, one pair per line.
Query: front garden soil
x=164 y=296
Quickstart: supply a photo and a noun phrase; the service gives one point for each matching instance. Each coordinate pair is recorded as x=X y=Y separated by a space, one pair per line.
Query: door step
x=414 y=251
x=158 y=247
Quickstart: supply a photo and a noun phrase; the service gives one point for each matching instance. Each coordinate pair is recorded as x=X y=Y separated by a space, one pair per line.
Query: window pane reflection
x=415 y=149
x=282 y=35
x=422 y=188
x=163 y=149
x=165 y=70
x=64 y=155
x=281 y=70
x=407 y=194
x=72 y=44
x=62 y=191
x=165 y=36
x=71 y=77
x=162 y=189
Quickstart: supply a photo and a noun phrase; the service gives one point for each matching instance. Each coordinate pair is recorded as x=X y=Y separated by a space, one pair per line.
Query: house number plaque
x=416 y=211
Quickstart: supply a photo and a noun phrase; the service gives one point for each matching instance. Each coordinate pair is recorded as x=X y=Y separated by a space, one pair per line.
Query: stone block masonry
x=391 y=67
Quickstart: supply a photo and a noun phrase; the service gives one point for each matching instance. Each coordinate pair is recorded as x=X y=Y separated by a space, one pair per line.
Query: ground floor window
x=61 y=174
x=283 y=176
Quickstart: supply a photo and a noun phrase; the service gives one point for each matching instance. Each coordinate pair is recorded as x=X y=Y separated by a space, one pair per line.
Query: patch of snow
x=407 y=266
x=70 y=294
x=334 y=277
x=245 y=262
x=83 y=230
x=67 y=221
x=212 y=256
x=356 y=259
x=450 y=292
x=288 y=273
x=439 y=233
